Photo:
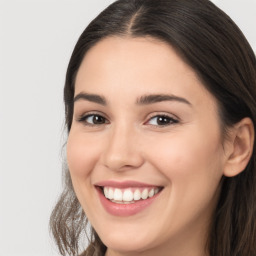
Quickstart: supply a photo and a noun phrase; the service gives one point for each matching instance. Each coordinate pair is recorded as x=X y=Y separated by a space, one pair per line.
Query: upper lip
x=123 y=184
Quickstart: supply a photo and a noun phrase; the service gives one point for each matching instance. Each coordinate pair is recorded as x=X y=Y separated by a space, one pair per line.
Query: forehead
x=133 y=56
x=138 y=65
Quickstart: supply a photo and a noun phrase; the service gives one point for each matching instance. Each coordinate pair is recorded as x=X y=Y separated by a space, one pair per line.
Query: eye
x=162 y=120
x=93 y=119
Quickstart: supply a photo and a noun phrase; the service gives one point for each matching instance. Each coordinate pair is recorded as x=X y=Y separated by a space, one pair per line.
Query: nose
x=123 y=149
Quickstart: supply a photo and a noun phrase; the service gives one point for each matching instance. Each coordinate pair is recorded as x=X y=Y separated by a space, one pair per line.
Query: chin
x=122 y=242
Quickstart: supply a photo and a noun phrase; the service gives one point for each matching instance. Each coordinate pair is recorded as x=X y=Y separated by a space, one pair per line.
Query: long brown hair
x=210 y=42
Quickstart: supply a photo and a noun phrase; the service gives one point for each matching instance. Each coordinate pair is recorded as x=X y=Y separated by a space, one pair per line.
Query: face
x=146 y=135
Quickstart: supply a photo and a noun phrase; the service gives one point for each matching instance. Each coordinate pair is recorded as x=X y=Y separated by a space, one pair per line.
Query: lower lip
x=125 y=209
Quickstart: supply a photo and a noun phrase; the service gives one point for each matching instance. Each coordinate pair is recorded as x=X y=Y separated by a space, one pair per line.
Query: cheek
x=193 y=169
x=81 y=155
x=190 y=163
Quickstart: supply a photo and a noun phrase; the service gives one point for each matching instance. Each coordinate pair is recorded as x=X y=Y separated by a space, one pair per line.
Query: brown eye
x=93 y=119
x=162 y=120
x=98 y=119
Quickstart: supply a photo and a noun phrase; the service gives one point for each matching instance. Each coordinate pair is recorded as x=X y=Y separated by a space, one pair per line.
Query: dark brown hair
x=209 y=41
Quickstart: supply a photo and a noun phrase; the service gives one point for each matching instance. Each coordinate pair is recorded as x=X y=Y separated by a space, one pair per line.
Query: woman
x=160 y=112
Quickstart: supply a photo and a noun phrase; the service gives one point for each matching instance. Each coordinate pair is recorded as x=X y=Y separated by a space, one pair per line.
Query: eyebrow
x=143 y=100
x=154 y=98
x=90 y=97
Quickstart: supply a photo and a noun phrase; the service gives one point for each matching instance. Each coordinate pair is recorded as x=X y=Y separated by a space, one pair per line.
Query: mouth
x=126 y=198
x=128 y=195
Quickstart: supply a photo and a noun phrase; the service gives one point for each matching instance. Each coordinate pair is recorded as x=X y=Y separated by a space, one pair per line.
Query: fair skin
x=174 y=144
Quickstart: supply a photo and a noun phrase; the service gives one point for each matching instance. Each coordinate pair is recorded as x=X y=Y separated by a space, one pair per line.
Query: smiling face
x=147 y=132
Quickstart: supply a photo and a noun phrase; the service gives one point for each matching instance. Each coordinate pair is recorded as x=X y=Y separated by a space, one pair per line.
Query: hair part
x=210 y=42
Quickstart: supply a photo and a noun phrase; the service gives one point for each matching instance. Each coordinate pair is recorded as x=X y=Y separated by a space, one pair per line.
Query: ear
x=240 y=147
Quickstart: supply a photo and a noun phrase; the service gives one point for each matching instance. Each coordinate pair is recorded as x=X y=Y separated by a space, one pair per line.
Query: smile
x=126 y=198
x=129 y=195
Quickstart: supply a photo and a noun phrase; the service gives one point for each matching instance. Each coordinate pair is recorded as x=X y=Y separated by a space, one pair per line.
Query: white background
x=36 y=41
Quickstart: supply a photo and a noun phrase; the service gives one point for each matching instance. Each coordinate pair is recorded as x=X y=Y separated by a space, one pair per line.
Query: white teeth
x=118 y=195
x=127 y=196
x=110 y=193
x=156 y=190
x=151 y=192
x=136 y=195
x=144 y=194
x=105 y=190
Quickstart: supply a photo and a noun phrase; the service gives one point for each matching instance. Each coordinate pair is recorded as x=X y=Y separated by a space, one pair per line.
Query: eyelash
x=93 y=115
x=170 y=120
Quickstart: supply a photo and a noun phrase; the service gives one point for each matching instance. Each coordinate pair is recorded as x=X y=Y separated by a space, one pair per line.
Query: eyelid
x=174 y=118
x=82 y=117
